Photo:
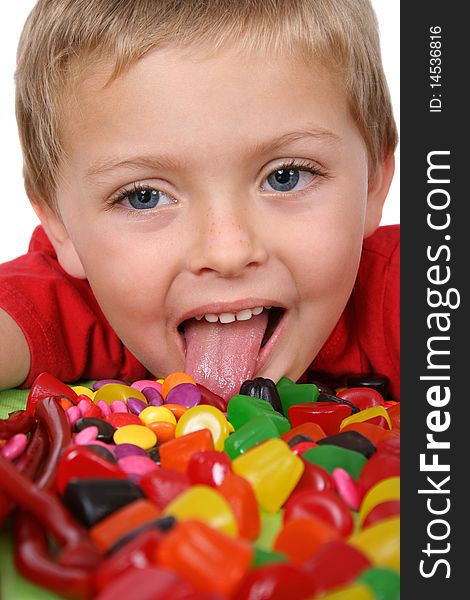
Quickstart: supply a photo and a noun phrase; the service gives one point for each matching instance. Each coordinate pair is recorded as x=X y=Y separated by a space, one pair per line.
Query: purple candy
x=154 y=398
x=123 y=450
x=99 y=384
x=186 y=394
x=143 y=383
x=135 y=405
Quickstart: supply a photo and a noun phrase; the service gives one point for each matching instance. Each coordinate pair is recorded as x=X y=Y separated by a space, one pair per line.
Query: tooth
x=198 y=318
x=257 y=310
x=227 y=318
x=211 y=318
x=244 y=315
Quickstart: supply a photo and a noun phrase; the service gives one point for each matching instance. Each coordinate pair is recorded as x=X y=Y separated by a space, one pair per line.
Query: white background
x=17 y=219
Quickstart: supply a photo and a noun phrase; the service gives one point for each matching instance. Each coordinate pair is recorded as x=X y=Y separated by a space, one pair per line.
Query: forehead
x=182 y=101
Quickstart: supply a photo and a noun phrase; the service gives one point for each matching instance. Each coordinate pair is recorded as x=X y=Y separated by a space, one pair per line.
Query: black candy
x=297 y=439
x=154 y=454
x=105 y=429
x=324 y=397
x=91 y=500
x=352 y=440
x=375 y=381
x=103 y=452
x=163 y=524
x=261 y=387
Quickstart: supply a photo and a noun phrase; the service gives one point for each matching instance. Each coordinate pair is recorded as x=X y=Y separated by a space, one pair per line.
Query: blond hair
x=61 y=37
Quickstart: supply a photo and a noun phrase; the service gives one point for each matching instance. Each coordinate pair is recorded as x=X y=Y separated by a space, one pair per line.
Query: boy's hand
x=14 y=353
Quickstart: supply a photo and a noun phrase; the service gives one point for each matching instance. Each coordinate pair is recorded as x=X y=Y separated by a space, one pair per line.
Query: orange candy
x=178 y=410
x=374 y=433
x=210 y=560
x=163 y=430
x=175 y=454
x=175 y=379
x=112 y=528
x=309 y=428
x=299 y=539
x=241 y=497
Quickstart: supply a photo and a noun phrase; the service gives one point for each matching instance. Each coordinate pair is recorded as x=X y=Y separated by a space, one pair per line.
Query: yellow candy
x=117 y=391
x=152 y=414
x=365 y=415
x=205 y=504
x=387 y=489
x=355 y=591
x=380 y=543
x=273 y=471
x=81 y=389
x=208 y=417
x=139 y=435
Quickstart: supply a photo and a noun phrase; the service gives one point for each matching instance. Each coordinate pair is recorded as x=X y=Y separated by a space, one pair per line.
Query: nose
x=227 y=242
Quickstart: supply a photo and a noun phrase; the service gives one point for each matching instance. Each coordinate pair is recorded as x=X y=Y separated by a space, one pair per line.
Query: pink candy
x=143 y=383
x=86 y=436
x=137 y=465
x=346 y=488
x=15 y=446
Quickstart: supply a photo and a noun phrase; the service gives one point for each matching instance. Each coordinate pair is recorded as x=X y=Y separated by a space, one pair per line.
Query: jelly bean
x=205 y=504
x=387 y=489
x=78 y=461
x=366 y=414
x=322 y=397
x=211 y=399
x=271 y=525
x=325 y=506
x=298 y=439
x=272 y=470
x=291 y=393
x=105 y=430
x=354 y=591
x=205 y=417
x=118 y=406
x=300 y=539
x=83 y=406
x=328 y=415
x=86 y=436
x=118 y=420
x=384 y=510
x=138 y=435
x=162 y=524
x=44 y=386
x=73 y=414
x=136 y=465
x=353 y=440
x=104 y=407
x=177 y=409
x=91 y=500
x=263 y=388
x=123 y=450
x=239 y=494
x=175 y=379
x=136 y=406
x=314 y=478
x=242 y=409
x=264 y=557
x=157 y=413
x=276 y=582
x=394 y=414
x=65 y=403
x=256 y=430
x=81 y=389
x=335 y=564
x=313 y=430
x=376 y=381
x=87 y=407
x=380 y=543
x=362 y=397
x=163 y=485
x=175 y=454
x=208 y=467
x=103 y=450
x=206 y=557
x=117 y=391
x=346 y=488
x=141 y=384
x=390 y=446
x=15 y=446
x=110 y=529
x=186 y=394
x=163 y=430
x=330 y=457
x=372 y=432
x=379 y=467
x=384 y=583
x=102 y=382
x=301 y=447
x=154 y=397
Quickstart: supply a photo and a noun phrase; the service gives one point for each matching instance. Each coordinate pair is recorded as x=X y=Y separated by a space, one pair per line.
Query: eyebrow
x=164 y=161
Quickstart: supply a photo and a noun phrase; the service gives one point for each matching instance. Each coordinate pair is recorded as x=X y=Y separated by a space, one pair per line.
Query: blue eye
x=284 y=180
x=292 y=176
x=141 y=197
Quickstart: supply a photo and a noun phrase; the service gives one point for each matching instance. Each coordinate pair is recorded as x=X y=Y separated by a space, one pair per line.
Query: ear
x=59 y=238
x=376 y=194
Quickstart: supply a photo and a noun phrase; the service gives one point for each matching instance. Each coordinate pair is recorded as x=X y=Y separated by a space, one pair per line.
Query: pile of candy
x=162 y=490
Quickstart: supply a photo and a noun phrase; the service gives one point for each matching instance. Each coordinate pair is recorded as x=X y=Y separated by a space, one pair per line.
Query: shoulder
x=383 y=244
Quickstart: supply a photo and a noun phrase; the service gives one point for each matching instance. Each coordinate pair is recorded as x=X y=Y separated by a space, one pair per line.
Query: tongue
x=221 y=356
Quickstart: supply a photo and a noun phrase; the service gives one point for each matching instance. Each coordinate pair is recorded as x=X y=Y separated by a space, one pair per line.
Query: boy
x=209 y=176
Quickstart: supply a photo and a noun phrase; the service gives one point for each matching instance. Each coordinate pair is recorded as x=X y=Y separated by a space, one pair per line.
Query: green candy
x=271 y=525
x=265 y=557
x=330 y=457
x=256 y=430
x=384 y=583
x=292 y=393
x=242 y=409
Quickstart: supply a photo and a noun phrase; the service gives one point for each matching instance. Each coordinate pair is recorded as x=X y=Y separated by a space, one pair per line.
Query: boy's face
x=254 y=193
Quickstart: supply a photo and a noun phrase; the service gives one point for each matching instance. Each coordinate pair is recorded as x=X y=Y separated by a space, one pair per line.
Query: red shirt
x=69 y=336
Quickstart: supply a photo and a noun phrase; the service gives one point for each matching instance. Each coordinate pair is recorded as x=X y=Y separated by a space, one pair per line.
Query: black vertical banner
x=435 y=326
